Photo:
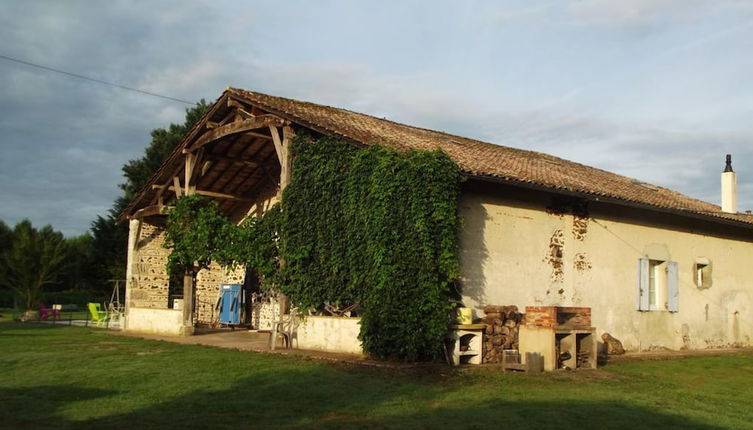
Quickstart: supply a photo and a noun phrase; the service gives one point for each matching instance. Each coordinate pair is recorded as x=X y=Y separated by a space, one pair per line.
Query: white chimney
x=729 y=188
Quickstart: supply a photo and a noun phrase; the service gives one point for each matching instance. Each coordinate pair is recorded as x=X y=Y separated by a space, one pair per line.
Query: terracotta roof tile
x=484 y=159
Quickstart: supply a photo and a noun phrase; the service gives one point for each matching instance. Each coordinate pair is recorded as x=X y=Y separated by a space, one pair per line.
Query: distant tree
x=79 y=275
x=37 y=258
x=109 y=239
x=6 y=241
x=138 y=172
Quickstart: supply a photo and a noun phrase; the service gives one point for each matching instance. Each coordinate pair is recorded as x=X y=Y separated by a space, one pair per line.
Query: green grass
x=70 y=377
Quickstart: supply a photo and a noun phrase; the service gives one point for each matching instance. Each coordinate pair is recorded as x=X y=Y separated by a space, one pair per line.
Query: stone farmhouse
x=657 y=268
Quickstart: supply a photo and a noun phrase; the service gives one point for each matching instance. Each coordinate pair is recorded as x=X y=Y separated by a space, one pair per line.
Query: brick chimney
x=729 y=188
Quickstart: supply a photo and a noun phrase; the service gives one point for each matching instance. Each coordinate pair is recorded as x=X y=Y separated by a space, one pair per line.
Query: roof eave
x=611 y=200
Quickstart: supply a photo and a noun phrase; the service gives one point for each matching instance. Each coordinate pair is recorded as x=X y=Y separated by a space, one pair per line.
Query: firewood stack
x=501 y=331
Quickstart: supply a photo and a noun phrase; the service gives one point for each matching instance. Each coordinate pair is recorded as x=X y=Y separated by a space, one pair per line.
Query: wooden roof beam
x=207 y=193
x=150 y=211
x=242 y=126
x=213 y=157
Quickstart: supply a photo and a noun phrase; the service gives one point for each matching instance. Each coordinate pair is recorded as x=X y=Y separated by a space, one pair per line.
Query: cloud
x=63 y=141
x=631 y=13
x=673 y=155
x=511 y=15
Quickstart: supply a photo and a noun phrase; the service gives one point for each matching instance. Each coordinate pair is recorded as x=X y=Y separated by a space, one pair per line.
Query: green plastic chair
x=98 y=315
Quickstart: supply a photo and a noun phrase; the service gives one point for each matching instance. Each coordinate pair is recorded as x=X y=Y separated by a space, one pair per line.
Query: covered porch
x=237 y=155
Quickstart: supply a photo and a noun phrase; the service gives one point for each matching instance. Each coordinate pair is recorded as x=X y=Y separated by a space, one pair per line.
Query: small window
x=657 y=285
x=702 y=273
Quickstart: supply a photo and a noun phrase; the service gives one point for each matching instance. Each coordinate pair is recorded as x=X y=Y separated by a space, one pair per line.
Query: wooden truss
x=214 y=160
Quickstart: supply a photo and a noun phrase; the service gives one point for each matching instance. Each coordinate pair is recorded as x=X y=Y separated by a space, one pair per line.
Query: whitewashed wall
x=155 y=321
x=516 y=250
x=333 y=334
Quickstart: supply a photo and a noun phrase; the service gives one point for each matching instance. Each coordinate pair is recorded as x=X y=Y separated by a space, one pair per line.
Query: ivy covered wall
x=377 y=227
x=368 y=226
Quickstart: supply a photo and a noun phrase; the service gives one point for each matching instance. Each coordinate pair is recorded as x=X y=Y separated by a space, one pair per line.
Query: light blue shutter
x=673 y=287
x=642 y=299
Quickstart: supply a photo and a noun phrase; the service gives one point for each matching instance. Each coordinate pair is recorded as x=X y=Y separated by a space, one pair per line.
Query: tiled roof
x=486 y=160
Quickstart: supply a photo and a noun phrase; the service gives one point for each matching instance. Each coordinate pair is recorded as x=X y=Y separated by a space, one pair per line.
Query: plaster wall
x=529 y=248
x=155 y=321
x=333 y=334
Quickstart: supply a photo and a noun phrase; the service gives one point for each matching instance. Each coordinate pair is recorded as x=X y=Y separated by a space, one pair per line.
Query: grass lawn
x=72 y=377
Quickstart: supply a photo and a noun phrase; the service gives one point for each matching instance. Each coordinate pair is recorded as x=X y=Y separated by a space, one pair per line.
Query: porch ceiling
x=230 y=156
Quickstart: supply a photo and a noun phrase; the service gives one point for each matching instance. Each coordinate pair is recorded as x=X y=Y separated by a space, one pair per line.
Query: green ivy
x=370 y=226
x=198 y=233
x=377 y=227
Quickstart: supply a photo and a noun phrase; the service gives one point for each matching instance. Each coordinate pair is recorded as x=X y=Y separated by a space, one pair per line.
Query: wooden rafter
x=215 y=157
x=236 y=127
x=250 y=189
x=158 y=199
x=282 y=147
x=150 y=211
x=225 y=172
x=195 y=172
x=190 y=160
x=207 y=193
x=176 y=186
x=277 y=142
x=253 y=151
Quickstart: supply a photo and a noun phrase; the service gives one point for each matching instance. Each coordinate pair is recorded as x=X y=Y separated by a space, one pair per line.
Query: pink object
x=45 y=312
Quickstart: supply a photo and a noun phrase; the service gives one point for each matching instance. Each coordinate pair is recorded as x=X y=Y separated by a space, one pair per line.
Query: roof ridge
x=486 y=160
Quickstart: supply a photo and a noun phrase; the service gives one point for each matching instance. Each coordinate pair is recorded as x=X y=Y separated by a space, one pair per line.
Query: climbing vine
x=377 y=227
x=198 y=233
x=373 y=227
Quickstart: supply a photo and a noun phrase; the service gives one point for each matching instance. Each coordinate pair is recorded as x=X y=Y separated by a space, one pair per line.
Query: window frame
x=658 y=285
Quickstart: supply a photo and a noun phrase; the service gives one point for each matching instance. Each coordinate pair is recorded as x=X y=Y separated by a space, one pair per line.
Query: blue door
x=231 y=302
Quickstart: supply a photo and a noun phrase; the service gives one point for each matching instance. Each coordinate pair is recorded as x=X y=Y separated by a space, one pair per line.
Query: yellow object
x=465 y=316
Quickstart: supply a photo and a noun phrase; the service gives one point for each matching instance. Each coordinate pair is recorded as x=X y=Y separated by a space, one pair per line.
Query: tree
x=36 y=258
x=109 y=239
x=138 y=172
x=79 y=275
x=6 y=241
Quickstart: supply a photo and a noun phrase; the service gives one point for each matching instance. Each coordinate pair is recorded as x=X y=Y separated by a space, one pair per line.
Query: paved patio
x=254 y=341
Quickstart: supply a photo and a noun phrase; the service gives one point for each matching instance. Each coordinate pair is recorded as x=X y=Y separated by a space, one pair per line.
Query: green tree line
x=34 y=260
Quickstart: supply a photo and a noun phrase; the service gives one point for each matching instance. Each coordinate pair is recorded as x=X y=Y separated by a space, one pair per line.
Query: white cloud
x=631 y=13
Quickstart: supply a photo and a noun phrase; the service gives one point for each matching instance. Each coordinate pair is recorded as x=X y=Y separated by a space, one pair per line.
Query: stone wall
x=208 y=283
x=265 y=311
x=149 y=283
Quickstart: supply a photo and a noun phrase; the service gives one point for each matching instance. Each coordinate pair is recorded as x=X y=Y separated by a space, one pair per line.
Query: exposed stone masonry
x=208 y=283
x=150 y=282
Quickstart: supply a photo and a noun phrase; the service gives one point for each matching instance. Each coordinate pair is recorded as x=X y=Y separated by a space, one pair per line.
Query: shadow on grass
x=302 y=398
x=39 y=407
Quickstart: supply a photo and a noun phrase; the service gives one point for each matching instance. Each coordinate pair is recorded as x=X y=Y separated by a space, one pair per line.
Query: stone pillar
x=134 y=226
x=188 y=303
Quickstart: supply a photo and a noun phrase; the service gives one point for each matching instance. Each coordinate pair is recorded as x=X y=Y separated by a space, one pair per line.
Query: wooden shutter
x=673 y=287
x=642 y=284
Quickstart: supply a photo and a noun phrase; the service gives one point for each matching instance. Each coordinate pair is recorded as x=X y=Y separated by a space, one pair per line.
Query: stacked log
x=501 y=331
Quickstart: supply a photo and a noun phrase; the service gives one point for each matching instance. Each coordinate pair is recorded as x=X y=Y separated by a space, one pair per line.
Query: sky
x=658 y=90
